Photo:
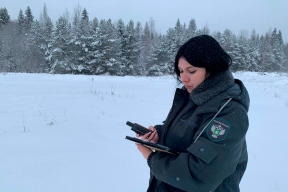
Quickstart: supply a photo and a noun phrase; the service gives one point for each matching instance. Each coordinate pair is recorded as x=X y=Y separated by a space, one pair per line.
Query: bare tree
x=77 y=15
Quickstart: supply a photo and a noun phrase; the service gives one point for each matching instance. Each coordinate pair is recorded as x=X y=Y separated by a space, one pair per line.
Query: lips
x=188 y=87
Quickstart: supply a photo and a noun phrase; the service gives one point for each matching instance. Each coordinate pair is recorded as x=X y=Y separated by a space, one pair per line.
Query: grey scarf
x=211 y=87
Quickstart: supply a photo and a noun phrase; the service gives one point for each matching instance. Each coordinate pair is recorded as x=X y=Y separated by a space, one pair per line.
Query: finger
x=151 y=128
x=155 y=138
x=152 y=136
x=146 y=136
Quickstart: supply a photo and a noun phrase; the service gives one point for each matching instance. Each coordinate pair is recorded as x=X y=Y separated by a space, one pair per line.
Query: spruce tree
x=278 y=58
x=82 y=45
x=21 y=22
x=106 y=50
x=4 y=16
x=285 y=50
x=59 y=57
x=132 y=49
x=146 y=47
x=160 y=63
x=38 y=45
x=191 y=30
x=139 y=69
x=29 y=18
x=122 y=39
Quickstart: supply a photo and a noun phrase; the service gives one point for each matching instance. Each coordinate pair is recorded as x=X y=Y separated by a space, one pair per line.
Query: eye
x=180 y=71
x=192 y=72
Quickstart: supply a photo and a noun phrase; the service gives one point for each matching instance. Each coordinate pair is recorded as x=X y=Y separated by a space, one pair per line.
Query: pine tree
x=266 y=55
x=146 y=47
x=132 y=49
x=38 y=46
x=122 y=39
x=94 y=24
x=175 y=39
x=191 y=30
x=243 y=54
x=105 y=50
x=46 y=24
x=179 y=38
x=204 y=31
x=59 y=47
x=161 y=64
x=21 y=22
x=254 y=51
x=285 y=50
x=4 y=16
x=230 y=45
x=29 y=18
x=217 y=36
x=128 y=38
x=239 y=55
x=82 y=45
x=44 y=33
x=76 y=16
x=277 y=56
x=139 y=68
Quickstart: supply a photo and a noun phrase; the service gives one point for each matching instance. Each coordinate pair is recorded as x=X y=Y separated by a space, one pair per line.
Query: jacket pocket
x=188 y=123
x=181 y=135
x=204 y=154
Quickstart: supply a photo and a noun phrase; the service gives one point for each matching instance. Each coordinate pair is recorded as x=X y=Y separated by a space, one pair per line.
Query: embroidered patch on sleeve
x=218 y=129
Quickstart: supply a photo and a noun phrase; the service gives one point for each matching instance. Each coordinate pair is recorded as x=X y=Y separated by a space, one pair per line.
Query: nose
x=184 y=77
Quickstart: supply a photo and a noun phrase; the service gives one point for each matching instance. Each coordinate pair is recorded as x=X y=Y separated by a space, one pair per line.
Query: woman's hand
x=151 y=136
x=144 y=150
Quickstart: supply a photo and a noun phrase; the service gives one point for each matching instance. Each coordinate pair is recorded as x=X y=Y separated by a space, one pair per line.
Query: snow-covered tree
x=81 y=41
x=105 y=50
x=191 y=30
x=132 y=49
x=146 y=46
x=278 y=57
x=94 y=24
x=285 y=50
x=76 y=15
x=204 y=31
x=21 y=22
x=38 y=45
x=160 y=62
x=29 y=18
x=46 y=23
x=59 y=47
x=4 y=16
x=217 y=36
x=175 y=38
x=122 y=39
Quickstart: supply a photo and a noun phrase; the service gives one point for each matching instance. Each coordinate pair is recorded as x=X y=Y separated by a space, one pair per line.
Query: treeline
x=80 y=45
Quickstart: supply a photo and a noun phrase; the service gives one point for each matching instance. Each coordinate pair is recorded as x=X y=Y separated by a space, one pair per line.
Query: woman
x=207 y=125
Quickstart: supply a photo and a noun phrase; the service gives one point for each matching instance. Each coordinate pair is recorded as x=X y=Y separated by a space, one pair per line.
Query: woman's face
x=190 y=76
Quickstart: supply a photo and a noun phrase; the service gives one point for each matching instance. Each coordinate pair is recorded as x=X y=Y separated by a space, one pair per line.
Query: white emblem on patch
x=217 y=130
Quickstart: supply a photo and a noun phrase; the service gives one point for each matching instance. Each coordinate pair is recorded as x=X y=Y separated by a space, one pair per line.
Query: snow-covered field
x=63 y=133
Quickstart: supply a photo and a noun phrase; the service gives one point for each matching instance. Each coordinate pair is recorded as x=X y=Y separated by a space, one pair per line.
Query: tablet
x=152 y=146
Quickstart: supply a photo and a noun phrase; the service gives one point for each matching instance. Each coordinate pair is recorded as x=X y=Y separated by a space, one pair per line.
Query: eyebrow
x=187 y=67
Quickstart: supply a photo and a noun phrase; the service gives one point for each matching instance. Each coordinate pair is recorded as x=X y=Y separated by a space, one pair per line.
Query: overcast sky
x=236 y=15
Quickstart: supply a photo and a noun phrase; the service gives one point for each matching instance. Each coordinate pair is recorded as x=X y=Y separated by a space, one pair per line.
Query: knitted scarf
x=211 y=87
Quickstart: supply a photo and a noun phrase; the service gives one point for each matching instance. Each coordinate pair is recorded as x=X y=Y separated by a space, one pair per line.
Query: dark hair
x=205 y=52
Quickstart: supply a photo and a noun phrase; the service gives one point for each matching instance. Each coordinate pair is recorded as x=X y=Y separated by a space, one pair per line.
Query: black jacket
x=218 y=159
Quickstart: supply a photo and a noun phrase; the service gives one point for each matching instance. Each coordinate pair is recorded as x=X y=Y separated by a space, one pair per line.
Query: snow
x=66 y=133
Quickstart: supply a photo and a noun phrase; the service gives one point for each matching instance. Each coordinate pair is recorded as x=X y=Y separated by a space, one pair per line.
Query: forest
x=77 y=44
